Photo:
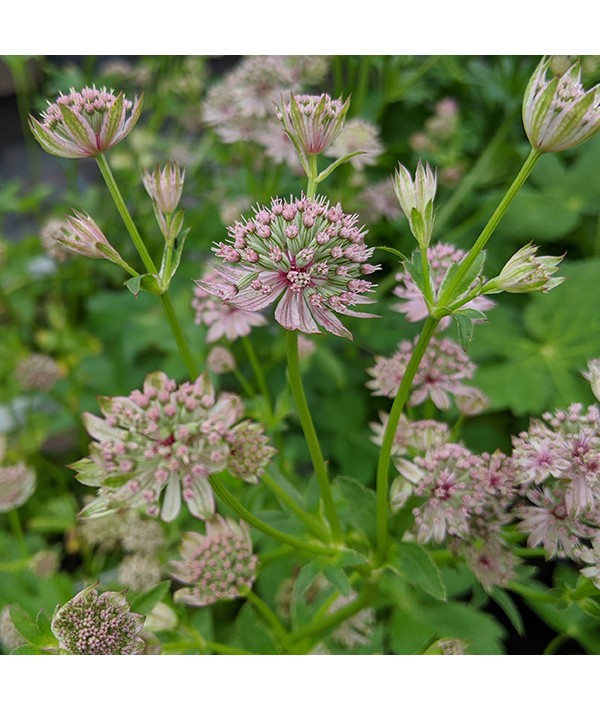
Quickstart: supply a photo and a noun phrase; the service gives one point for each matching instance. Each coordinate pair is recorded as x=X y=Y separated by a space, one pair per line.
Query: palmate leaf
x=530 y=357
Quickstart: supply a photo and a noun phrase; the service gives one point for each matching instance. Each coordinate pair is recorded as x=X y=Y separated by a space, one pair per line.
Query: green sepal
x=46 y=140
x=144 y=282
x=114 y=119
x=145 y=602
x=505 y=602
x=75 y=126
x=395 y=252
x=89 y=472
x=464 y=284
x=329 y=170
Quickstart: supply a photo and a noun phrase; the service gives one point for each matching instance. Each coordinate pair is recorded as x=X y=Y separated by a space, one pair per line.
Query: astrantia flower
x=441 y=372
x=216 y=566
x=307 y=252
x=440 y=257
x=83 y=236
x=356 y=630
x=379 y=200
x=17 y=483
x=223 y=319
x=591 y=556
x=139 y=572
x=525 y=272
x=93 y=623
x=491 y=562
x=563 y=453
x=558 y=113
x=313 y=122
x=165 y=439
x=50 y=234
x=38 y=372
x=357 y=135
x=220 y=360
x=86 y=123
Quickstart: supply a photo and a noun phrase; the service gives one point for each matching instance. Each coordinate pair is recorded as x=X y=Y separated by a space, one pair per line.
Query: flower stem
x=311 y=190
x=312 y=524
x=138 y=242
x=556 y=643
x=266 y=613
x=306 y=546
x=310 y=434
x=224 y=648
x=258 y=372
x=383 y=464
x=449 y=295
x=15 y=523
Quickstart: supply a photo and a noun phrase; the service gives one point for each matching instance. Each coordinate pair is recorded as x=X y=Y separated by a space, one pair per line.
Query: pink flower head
x=86 y=123
x=222 y=318
x=17 y=483
x=215 y=566
x=157 y=448
x=165 y=187
x=491 y=562
x=441 y=372
x=313 y=122
x=309 y=255
x=93 y=623
x=441 y=257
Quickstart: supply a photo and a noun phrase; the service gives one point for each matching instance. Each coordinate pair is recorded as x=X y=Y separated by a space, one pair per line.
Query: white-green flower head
x=525 y=272
x=416 y=199
x=558 y=113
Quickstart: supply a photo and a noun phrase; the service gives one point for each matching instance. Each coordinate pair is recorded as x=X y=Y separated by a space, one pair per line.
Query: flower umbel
x=17 y=483
x=93 y=623
x=86 y=123
x=216 y=566
x=416 y=200
x=558 y=113
x=164 y=439
x=307 y=252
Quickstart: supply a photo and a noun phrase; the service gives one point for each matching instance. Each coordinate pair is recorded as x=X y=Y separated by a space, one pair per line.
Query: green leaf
x=505 y=602
x=465 y=329
x=338 y=579
x=361 y=509
x=134 y=284
x=145 y=602
x=307 y=575
x=28 y=649
x=413 y=564
x=26 y=627
x=395 y=252
x=466 y=281
x=414 y=266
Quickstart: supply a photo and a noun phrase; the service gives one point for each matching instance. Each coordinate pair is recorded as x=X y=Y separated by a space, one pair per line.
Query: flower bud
x=220 y=360
x=525 y=272
x=84 y=237
x=165 y=187
x=558 y=113
x=416 y=200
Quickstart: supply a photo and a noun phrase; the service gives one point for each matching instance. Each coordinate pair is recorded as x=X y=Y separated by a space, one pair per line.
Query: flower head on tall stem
x=165 y=439
x=215 y=566
x=83 y=236
x=165 y=186
x=313 y=122
x=525 y=272
x=308 y=254
x=558 y=113
x=86 y=123
x=93 y=623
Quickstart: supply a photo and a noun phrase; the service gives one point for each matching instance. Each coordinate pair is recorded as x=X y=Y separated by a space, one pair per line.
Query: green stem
x=243 y=381
x=383 y=464
x=311 y=190
x=317 y=528
x=258 y=372
x=138 y=242
x=556 y=643
x=305 y=546
x=488 y=230
x=526 y=592
x=320 y=627
x=15 y=523
x=426 y=279
x=266 y=613
x=224 y=648
x=310 y=434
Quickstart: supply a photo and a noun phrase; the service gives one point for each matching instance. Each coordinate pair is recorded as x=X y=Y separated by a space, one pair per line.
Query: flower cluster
x=17 y=483
x=86 y=123
x=216 y=566
x=93 y=623
x=441 y=373
x=307 y=252
x=558 y=463
x=441 y=258
x=167 y=439
x=558 y=113
x=357 y=136
x=38 y=372
x=223 y=319
x=50 y=236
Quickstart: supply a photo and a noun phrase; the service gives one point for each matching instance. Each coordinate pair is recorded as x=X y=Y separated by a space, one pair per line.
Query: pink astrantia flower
x=215 y=566
x=158 y=447
x=165 y=186
x=86 y=123
x=93 y=623
x=313 y=122
x=441 y=257
x=441 y=372
x=83 y=236
x=357 y=135
x=17 y=483
x=491 y=562
x=223 y=319
x=309 y=255
x=563 y=453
